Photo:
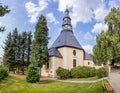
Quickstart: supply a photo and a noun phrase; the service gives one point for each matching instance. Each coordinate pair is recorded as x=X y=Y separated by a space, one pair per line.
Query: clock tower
x=67 y=21
x=66 y=51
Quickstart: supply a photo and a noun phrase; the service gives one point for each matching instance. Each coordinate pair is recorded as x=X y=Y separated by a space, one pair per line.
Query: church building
x=66 y=51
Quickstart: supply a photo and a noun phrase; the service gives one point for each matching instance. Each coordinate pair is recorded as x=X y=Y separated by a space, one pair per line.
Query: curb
x=71 y=81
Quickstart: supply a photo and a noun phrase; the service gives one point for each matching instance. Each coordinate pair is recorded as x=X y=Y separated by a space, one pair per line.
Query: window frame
x=74 y=62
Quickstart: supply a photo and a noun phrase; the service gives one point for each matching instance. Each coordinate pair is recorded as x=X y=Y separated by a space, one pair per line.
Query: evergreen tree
x=39 y=53
x=23 y=51
x=29 y=43
x=16 y=48
x=32 y=74
x=8 y=58
x=3 y=10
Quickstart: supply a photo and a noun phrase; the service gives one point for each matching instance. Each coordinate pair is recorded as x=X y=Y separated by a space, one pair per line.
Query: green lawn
x=84 y=79
x=17 y=84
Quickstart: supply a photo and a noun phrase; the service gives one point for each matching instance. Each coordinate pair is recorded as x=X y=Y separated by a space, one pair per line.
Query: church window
x=88 y=63
x=74 y=52
x=74 y=62
x=47 y=65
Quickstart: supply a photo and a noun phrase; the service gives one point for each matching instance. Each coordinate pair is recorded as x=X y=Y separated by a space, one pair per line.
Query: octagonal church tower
x=66 y=51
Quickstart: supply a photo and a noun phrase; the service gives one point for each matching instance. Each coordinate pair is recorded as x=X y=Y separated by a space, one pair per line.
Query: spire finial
x=67 y=20
x=66 y=6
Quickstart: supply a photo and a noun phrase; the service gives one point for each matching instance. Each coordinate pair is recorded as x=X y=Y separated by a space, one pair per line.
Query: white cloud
x=88 y=48
x=54 y=0
x=51 y=18
x=98 y=27
x=100 y=13
x=34 y=10
x=88 y=36
x=113 y=3
x=82 y=10
x=85 y=11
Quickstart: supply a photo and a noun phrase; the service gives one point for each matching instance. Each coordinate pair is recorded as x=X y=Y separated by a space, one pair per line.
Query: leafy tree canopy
x=3 y=10
x=107 y=46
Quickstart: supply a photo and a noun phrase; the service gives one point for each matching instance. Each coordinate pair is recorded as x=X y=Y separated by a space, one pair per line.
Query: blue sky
x=87 y=18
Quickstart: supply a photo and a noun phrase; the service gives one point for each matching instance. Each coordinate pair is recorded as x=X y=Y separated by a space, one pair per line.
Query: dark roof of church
x=54 y=52
x=66 y=38
x=87 y=56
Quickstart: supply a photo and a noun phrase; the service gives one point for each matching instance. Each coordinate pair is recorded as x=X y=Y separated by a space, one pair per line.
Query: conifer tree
x=17 y=48
x=3 y=10
x=39 y=53
x=8 y=58
x=29 y=43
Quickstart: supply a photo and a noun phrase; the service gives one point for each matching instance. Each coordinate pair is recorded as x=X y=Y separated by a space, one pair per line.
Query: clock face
x=67 y=27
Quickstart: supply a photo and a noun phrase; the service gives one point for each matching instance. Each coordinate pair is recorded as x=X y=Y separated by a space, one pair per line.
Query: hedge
x=3 y=72
x=102 y=72
x=63 y=73
x=83 y=72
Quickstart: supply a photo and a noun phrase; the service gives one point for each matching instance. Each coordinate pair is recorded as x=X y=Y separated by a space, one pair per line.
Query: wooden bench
x=107 y=87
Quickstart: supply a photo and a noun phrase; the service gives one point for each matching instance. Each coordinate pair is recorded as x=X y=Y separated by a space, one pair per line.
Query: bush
x=83 y=72
x=32 y=74
x=3 y=72
x=102 y=72
x=63 y=73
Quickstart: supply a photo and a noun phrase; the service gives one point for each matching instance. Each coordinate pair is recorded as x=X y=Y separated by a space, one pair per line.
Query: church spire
x=66 y=21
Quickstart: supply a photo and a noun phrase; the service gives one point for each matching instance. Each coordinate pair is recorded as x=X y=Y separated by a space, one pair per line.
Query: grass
x=119 y=72
x=18 y=84
x=84 y=79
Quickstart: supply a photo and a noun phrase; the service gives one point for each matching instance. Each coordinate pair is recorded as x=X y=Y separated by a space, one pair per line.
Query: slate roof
x=66 y=38
x=54 y=52
x=87 y=56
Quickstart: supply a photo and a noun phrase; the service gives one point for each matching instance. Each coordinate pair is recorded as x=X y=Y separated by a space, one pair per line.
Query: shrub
x=32 y=74
x=102 y=72
x=83 y=72
x=3 y=72
x=63 y=73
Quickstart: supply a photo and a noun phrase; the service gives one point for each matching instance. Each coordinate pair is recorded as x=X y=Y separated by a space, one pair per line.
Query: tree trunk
x=22 y=70
x=112 y=63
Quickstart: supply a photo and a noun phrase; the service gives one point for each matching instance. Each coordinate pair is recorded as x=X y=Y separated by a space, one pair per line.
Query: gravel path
x=114 y=79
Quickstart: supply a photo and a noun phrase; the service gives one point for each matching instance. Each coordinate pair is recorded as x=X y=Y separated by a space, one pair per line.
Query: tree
x=113 y=21
x=29 y=43
x=8 y=58
x=17 y=50
x=3 y=10
x=39 y=53
x=32 y=74
x=107 y=46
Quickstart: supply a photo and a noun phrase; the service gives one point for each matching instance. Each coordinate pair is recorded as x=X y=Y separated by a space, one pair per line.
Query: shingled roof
x=54 y=52
x=87 y=56
x=66 y=38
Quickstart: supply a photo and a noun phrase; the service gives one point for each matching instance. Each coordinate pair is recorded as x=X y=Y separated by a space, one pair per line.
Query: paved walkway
x=88 y=81
x=114 y=79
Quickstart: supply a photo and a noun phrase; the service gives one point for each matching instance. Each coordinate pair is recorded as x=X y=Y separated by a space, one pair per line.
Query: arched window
x=74 y=62
x=74 y=52
x=47 y=65
x=88 y=63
